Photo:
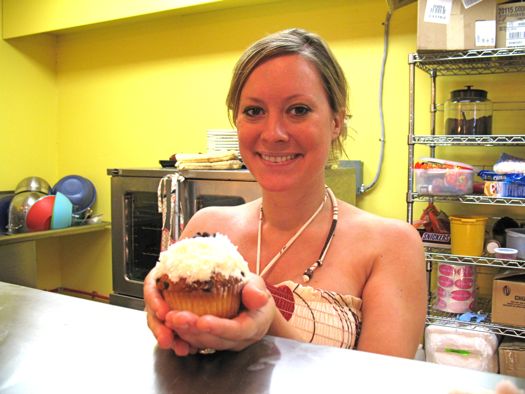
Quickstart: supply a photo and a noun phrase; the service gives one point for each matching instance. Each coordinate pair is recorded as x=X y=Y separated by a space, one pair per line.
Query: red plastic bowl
x=39 y=215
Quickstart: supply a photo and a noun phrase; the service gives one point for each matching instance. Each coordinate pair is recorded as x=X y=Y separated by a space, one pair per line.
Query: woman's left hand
x=211 y=332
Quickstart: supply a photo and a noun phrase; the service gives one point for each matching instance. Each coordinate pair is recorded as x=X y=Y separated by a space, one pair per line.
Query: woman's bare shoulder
x=386 y=232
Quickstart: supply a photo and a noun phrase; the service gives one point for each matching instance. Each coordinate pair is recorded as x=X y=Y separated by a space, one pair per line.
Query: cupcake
x=204 y=275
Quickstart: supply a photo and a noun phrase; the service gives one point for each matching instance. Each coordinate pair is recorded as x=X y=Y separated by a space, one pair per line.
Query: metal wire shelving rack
x=462 y=63
x=471 y=62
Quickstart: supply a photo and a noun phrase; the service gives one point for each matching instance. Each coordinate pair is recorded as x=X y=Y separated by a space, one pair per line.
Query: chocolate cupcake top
x=198 y=258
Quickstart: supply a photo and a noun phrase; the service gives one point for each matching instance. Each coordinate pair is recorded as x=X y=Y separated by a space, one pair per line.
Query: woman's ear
x=338 y=123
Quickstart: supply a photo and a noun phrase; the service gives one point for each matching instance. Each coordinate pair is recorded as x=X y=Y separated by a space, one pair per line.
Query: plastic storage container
x=469 y=347
x=443 y=177
x=467 y=235
x=468 y=112
x=506 y=253
x=516 y=240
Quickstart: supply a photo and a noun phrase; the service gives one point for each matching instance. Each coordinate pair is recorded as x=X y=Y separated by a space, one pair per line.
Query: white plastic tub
x=515 y=238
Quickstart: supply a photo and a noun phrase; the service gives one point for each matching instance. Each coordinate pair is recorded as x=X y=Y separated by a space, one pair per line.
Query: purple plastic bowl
x=80 y=191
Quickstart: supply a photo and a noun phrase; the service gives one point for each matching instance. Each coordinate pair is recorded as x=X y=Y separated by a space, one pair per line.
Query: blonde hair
x=311 y=47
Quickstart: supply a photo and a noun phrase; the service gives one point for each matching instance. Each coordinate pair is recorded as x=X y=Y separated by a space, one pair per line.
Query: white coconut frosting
x=195 y=259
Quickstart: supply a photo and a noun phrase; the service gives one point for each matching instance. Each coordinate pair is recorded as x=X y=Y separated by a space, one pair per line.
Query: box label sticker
x=514 y=304
x=438 y=11
x=470 y=3
x=485 y=32
x=516 y=33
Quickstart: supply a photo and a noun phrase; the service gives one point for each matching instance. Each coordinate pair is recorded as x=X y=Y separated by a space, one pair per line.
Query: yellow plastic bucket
x=467 y=235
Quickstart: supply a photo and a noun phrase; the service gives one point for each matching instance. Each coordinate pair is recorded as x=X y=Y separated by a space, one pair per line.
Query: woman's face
x=285 y=124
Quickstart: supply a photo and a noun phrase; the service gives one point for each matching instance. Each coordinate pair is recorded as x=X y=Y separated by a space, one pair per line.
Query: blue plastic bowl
x=5 y=201
x=62 y=212
x=79 y=190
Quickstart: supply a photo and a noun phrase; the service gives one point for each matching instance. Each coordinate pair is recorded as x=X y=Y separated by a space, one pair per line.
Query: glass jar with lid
x=468 y=112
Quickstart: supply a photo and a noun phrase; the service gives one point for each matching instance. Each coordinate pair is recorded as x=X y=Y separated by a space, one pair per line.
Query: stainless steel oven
x=137 y=223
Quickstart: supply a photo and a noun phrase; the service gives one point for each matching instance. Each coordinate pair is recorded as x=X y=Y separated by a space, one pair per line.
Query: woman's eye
x=252 y=111
x=300 y=110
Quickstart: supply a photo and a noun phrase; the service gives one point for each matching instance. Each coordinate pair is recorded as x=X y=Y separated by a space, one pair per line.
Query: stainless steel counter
x=56 y=343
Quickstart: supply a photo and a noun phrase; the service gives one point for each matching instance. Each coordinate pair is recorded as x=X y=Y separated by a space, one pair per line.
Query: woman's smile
x=278 y=158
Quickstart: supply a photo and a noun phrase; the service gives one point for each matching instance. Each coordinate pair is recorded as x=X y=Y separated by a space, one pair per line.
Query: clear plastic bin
x=444 y=181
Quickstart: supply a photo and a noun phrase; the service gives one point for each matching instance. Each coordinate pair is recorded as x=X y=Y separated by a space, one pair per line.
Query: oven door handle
x=178 y=180
x=128 y=221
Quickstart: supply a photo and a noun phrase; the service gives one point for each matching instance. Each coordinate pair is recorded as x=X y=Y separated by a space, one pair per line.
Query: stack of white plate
x=223 y=140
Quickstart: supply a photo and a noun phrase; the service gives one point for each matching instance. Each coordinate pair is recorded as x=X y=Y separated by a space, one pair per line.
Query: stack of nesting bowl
x=36 y=206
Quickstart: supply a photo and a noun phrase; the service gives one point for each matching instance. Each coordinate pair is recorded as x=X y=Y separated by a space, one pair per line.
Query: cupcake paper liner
x=223 y=302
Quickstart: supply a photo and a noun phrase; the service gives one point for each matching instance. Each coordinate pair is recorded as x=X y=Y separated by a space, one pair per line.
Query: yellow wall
x=133 y=94
x=28 y=110
x=130 y=94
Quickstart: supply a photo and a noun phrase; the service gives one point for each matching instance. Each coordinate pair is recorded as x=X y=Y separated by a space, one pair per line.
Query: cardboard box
x=451 y=26
x=512 y=357
x=508 y=299
x=510 y=25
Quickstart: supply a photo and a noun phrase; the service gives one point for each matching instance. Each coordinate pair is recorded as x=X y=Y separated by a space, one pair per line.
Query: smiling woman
x=323 y=271
x=319 y=56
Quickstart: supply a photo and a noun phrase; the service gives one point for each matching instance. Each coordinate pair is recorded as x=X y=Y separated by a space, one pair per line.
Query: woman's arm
x=395 y=294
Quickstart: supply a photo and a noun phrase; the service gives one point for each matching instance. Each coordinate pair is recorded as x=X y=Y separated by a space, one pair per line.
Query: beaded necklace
x=308 y=273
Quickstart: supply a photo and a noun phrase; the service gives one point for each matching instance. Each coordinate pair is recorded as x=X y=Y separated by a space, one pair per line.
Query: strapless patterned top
x=322 y=317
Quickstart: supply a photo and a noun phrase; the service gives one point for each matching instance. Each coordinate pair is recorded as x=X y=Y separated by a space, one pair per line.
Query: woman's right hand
x=156 y=310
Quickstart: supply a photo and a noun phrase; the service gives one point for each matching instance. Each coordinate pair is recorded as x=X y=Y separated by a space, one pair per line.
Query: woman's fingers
x=182 y=348
x=213 y=332
x=202 y=332
x=167 y=339
x=152 y=297
x=254 y=294
x=162 y=333
x=162 y=323
x=181 y=320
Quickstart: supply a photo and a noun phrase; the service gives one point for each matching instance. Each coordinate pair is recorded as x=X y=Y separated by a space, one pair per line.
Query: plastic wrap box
x=512 y=357
x=473 y=348
x=444 y=181
x=457 y=28
x=508 y=299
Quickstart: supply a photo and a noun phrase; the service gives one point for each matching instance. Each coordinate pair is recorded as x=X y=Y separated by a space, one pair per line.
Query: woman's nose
x=275 y=129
